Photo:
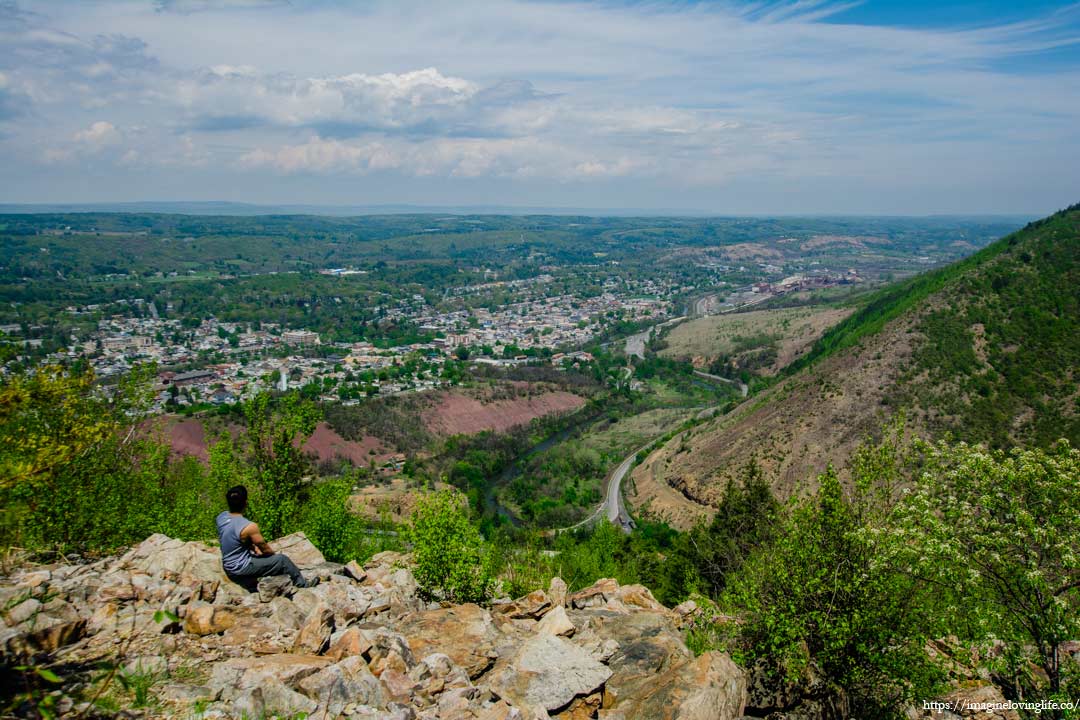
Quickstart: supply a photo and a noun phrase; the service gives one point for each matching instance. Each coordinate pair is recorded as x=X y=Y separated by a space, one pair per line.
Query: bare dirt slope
x=794 y=430
x=456 y=413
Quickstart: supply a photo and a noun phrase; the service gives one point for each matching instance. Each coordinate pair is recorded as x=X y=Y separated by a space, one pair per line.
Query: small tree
x=274 y=440
x=825 y=593
x=451 y=561
x=1005 y=528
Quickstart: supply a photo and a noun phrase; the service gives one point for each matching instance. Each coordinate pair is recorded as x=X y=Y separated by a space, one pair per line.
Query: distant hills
x=986 y=350
x=251 y=209
x=200 y=207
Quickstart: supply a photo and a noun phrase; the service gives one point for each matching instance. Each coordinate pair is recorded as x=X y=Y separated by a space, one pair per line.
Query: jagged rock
x=33 y=578
x=208 y=620
x=399 y=685
x=548 y=672
x=274 y=586
x=710 y=687
x=556 y=623
x=271 y=699
x=596 y=594
x=437 y=673
x=638 y=596
x=348 y=642
x=42 y=640
x=648 y=643
x=348 y=601
x=583 y=708
x=348 y=681
x=285 y=614
x=23 y=612
x=380 y=604
x=353 y=570
x=598 y=652
x=255 y=632
x=466 y=633
x=242 y=673
x=557 y=591
x=314 y=635
x=533 y=605
x=160 y=554
x=300 y=550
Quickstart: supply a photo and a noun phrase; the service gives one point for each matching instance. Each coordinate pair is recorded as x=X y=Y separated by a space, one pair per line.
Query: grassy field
x=789 y=331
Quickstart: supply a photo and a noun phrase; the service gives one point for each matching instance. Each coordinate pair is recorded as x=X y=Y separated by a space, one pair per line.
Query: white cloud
x=99 y=135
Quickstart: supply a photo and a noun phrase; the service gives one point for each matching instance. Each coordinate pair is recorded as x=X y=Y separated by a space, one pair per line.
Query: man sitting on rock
x=245 y=554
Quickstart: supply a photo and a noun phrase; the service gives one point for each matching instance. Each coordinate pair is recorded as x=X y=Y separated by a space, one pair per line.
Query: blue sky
x=807 y=106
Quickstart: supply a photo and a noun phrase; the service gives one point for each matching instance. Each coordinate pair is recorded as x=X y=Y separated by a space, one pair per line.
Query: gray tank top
x=235 y=556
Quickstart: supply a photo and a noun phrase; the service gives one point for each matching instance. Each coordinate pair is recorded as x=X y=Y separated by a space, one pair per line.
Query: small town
x=222 y=363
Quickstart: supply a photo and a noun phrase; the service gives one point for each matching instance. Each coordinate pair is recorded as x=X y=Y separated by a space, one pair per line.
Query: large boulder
x=337 y=685
x=314 y=635
x=710 y=687
x=547 y=673
x=466 y=633
x=162 y=556
x=300 y=550
x=233 y=676
x=208 y=619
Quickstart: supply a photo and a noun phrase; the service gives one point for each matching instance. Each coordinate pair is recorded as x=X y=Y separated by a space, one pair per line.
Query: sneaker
x=311 y=582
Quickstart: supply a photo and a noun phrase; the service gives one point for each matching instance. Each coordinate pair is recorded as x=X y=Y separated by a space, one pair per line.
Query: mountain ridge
x=983 y=350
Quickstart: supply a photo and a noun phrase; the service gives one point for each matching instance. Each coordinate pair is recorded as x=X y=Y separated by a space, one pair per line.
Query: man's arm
x=253 y=535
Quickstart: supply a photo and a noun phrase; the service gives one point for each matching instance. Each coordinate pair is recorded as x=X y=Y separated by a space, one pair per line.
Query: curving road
x=613 y=507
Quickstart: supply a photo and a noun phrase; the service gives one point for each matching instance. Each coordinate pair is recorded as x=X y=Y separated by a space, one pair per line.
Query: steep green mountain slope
x=986 y=349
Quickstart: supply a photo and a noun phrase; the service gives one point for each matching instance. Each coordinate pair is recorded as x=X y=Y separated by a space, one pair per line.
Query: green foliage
x=1004 y=529
x=329 y=523
x=823 y=593
x=81 y=475
x=708 y=555
x=272 y=448
x=451 y=560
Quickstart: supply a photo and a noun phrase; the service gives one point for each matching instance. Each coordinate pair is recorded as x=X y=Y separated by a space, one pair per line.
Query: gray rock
x=274 y=586
x=349 y=681
x=549 y=672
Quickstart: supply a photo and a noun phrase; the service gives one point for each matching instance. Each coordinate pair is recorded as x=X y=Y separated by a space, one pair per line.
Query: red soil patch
x=456 y=414
x=184 y=436
x=326 y=444
x=188 y=437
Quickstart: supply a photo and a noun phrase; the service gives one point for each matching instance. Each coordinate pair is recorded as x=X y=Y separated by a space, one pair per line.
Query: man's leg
x=276 y=564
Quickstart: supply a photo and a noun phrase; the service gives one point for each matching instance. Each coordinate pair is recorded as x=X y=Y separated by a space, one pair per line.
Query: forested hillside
x=985 y=349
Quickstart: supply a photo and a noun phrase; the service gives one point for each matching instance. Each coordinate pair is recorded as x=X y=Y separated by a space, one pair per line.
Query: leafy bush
x=328 y=521
x=1006 y=527
x=822 y=594
x=451 y=560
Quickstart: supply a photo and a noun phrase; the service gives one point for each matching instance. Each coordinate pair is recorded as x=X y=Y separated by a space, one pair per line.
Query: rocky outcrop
x=361 y=644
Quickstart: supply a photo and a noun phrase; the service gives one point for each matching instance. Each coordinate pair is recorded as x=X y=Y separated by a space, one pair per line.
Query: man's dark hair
x=237 y=498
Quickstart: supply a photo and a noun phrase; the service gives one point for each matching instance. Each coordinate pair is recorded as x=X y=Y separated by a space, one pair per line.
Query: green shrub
x=821 y=594
x=329 y=523
x=451 y=560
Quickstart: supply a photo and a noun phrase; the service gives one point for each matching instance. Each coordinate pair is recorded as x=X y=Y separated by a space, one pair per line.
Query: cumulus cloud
x=243 y=98
x=99 y=135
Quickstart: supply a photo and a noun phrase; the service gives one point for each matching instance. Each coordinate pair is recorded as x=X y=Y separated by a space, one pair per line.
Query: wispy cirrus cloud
x=670 y=102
